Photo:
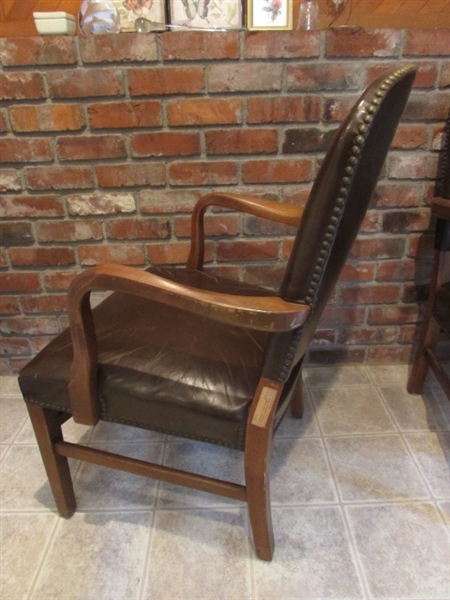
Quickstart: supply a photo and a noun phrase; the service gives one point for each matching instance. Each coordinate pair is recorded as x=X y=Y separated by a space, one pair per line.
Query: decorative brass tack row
x=290 y=354
x=174 y=432
x=355 y=152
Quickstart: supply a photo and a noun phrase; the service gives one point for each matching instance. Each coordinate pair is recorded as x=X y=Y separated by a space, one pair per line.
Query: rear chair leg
x=297 y=406
x=428 y=339
x=47 y=428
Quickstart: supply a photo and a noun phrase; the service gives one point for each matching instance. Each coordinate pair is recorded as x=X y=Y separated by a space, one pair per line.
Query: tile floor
x=361 y=506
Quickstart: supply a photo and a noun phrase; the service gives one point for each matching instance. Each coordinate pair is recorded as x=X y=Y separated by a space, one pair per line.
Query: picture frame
x=130 y=10
x=206 y=14
x=269 y=14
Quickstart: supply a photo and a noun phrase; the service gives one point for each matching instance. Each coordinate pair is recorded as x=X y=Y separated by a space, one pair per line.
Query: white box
x=55 y=23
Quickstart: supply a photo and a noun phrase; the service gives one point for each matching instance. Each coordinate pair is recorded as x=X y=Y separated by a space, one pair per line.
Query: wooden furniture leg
x=421 y=365
x=257 y=463
x=47 y=428
x=297 y=406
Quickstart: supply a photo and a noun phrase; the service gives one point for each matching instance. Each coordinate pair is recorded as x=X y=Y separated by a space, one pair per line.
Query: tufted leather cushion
x=442 y=307
x=160 y=367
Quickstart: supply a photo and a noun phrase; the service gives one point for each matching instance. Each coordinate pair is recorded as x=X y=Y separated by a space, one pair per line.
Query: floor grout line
x=43 y=560
x=146 y=562
x=355 y=554
x=249 y=566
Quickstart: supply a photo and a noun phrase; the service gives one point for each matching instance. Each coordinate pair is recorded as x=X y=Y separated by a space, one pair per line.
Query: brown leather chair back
x=335 y=209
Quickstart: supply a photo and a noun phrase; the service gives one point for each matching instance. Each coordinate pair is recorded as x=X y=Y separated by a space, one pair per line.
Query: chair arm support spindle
x=266 y=209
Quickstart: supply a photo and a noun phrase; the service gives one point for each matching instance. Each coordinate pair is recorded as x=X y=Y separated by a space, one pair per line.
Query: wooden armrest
x=267 y=209
x=440 y=207
x=267 y=313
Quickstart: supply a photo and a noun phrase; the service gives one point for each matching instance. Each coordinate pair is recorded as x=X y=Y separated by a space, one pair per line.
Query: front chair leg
x=256 y=465
x=47 y=428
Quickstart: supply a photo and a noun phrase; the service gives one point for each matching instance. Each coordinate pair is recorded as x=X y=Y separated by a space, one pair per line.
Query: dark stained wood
x=151 y=470
x=297 y=405
x=430 y=332
x=257 y=463
x=47 y=428
x=441 y=208
x=438 y=369
x=264 y=313
x=83 y=371
x=256 y=492
x=266 y=209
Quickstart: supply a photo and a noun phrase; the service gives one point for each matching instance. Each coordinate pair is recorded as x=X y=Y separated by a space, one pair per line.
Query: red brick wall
x=106 y=143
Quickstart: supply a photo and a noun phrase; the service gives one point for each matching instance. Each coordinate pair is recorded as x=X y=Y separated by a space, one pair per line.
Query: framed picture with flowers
x=269 y=14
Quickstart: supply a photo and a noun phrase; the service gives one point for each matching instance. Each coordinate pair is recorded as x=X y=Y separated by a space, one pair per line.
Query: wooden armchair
x=179 y=351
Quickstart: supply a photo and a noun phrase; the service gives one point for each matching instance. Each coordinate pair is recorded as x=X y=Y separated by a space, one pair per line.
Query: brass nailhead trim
x=367 y=118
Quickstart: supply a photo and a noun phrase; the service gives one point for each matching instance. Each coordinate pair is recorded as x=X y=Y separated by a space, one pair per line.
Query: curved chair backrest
x=337 y=205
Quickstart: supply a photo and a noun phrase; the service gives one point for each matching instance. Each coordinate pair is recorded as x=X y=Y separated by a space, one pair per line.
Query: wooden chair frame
x=426 y=356
x=265 y=313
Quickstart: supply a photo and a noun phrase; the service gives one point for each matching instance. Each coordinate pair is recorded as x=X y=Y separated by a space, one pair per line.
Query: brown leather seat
x=202 y=375
x=437 y=312
x=179 y=351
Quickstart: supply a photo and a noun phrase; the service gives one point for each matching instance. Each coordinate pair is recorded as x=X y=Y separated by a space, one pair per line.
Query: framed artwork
x=206 y=14
x=269 y=14
x=130 y=10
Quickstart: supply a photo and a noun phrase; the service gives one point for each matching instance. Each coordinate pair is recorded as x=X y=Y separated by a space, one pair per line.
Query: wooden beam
x=151 y=470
